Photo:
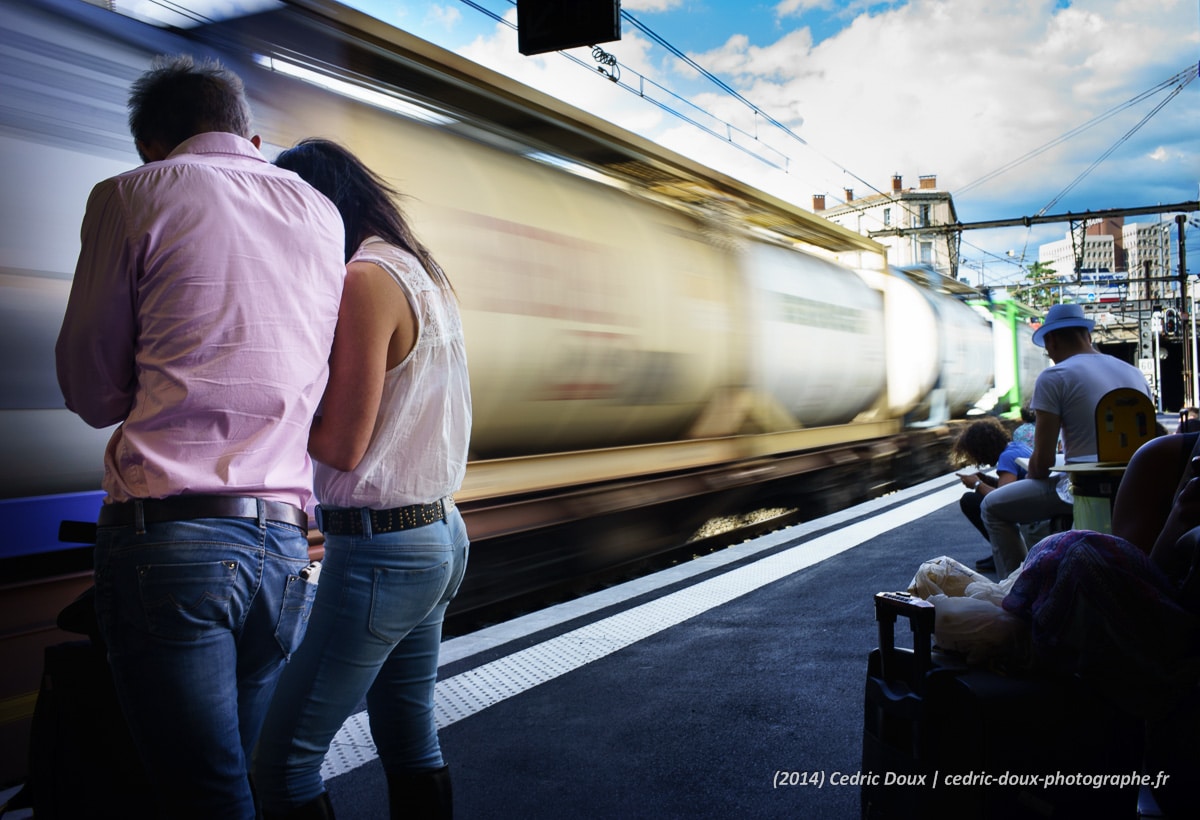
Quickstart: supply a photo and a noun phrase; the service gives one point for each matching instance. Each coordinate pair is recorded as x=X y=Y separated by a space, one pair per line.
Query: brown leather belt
x=349 y=520
x=189 y=507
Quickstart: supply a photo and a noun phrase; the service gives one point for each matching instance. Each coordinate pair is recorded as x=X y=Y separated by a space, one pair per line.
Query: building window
x=887 y=217
x=924 y=216
x=926 y=250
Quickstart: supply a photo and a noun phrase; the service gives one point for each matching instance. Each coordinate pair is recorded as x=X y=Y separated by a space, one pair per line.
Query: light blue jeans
x=199 y=617
x=375 y=631
x=1005 y=508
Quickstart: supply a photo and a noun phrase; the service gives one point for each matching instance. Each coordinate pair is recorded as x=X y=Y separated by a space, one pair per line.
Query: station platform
x=683 y=694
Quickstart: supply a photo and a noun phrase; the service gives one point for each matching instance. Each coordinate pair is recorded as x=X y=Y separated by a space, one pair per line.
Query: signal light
x=1170 y=322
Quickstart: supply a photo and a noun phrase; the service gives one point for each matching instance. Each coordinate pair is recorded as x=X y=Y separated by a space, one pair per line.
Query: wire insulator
x=613 y=72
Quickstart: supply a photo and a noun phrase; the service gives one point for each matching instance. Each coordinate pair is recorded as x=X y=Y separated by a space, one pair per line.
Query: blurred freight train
x=650 y=342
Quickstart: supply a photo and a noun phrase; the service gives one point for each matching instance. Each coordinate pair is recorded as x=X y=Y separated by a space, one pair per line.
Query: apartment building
x=1099 y=254
x=900 y=208
x=1153 y=253
x=1145 y=255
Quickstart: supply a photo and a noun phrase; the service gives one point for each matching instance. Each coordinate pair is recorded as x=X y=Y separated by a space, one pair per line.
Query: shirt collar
x=218 y=142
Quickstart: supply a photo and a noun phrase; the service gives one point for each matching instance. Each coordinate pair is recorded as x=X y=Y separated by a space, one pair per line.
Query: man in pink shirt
x=200 y=321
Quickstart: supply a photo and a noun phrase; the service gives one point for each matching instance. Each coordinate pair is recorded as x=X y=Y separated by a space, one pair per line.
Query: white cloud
x=778 y=61
x=649 y=6
x=790 y=8
x=959 y=90
x=446 y=16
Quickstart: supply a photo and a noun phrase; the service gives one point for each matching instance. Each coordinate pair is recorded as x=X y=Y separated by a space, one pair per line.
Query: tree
x=1040 y=288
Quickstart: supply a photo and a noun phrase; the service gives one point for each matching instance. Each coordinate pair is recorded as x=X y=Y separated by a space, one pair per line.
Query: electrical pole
x=1189 y=376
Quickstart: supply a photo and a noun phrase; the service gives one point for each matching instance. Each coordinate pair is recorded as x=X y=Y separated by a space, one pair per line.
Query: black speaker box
x=553 y=25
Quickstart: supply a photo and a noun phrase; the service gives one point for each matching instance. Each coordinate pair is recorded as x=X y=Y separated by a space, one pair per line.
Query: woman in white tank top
x=390 y=446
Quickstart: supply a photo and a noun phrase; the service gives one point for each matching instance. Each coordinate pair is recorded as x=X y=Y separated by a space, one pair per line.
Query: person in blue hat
x=1064 y=405
x=1060 y=317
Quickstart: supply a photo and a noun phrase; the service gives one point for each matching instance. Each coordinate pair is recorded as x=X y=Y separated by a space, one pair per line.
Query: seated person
x=1121 y=610
x=1158 y=501
x=1064 y=402
x=986 y=442
x=1024 y=432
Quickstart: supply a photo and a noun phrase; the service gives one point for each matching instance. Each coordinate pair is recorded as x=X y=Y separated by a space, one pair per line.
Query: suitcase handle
x=920 y=615
x=77 y=532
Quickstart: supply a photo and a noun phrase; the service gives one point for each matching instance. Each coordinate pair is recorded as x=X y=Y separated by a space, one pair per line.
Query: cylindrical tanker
x=818 y=336
x=939 y=349
x=964 y=348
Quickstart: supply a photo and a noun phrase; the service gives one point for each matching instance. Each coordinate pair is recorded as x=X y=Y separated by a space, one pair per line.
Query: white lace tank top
x=418 y=451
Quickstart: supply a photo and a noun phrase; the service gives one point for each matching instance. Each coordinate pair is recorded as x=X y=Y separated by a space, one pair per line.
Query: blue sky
x=1018 y=107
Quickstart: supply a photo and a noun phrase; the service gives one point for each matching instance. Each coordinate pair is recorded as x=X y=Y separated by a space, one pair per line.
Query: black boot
x=421 y=795
x=319 y=808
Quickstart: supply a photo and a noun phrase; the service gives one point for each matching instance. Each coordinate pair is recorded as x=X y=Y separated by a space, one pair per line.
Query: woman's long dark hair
x=366 y=203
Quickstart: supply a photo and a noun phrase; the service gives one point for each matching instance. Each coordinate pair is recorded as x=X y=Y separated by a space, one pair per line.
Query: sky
x=1018 y=107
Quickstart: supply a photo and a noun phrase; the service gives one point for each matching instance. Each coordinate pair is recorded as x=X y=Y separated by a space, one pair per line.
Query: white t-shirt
x=1073 y=388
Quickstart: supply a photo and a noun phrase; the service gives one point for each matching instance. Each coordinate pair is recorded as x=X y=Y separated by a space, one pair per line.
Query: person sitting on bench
x=1123 y=610
x=986 y=442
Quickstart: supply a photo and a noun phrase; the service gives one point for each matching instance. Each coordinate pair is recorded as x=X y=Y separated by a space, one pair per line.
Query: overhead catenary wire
x=1119 y=142
x=1179 y=80
x=1185 y=76
x=779 y=163
x=728 y=89
x=778 y=160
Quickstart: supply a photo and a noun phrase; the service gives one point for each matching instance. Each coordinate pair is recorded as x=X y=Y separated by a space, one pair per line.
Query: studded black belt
x=351 y=520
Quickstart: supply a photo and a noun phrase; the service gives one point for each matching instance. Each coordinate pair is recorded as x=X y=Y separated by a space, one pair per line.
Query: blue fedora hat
x=1058 y=317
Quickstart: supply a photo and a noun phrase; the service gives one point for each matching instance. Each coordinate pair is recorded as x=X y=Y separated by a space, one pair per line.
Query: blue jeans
x=376 y=631
x=199 y=617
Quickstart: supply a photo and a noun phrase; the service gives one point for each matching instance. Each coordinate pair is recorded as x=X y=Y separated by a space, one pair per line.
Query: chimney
x=818 y=202
x=897 y=184
x=849 y=194
x=929 y=183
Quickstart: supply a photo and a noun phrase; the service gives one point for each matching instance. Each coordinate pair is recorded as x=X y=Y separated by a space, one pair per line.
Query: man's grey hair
x=179 y=98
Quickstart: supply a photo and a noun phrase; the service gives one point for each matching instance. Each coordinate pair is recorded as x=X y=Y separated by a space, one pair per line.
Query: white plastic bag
x=967 y=613
x=944 y=575
x=978 y=628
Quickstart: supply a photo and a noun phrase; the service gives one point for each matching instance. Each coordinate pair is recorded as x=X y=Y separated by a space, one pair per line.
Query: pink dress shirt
x=200 y=319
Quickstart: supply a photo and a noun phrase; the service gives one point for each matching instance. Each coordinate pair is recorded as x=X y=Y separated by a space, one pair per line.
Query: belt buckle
x=319 y=514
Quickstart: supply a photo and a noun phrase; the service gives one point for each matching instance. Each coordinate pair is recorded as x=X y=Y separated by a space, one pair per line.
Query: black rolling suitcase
x=82 y=761
x=944 y=740
x=895 y=742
